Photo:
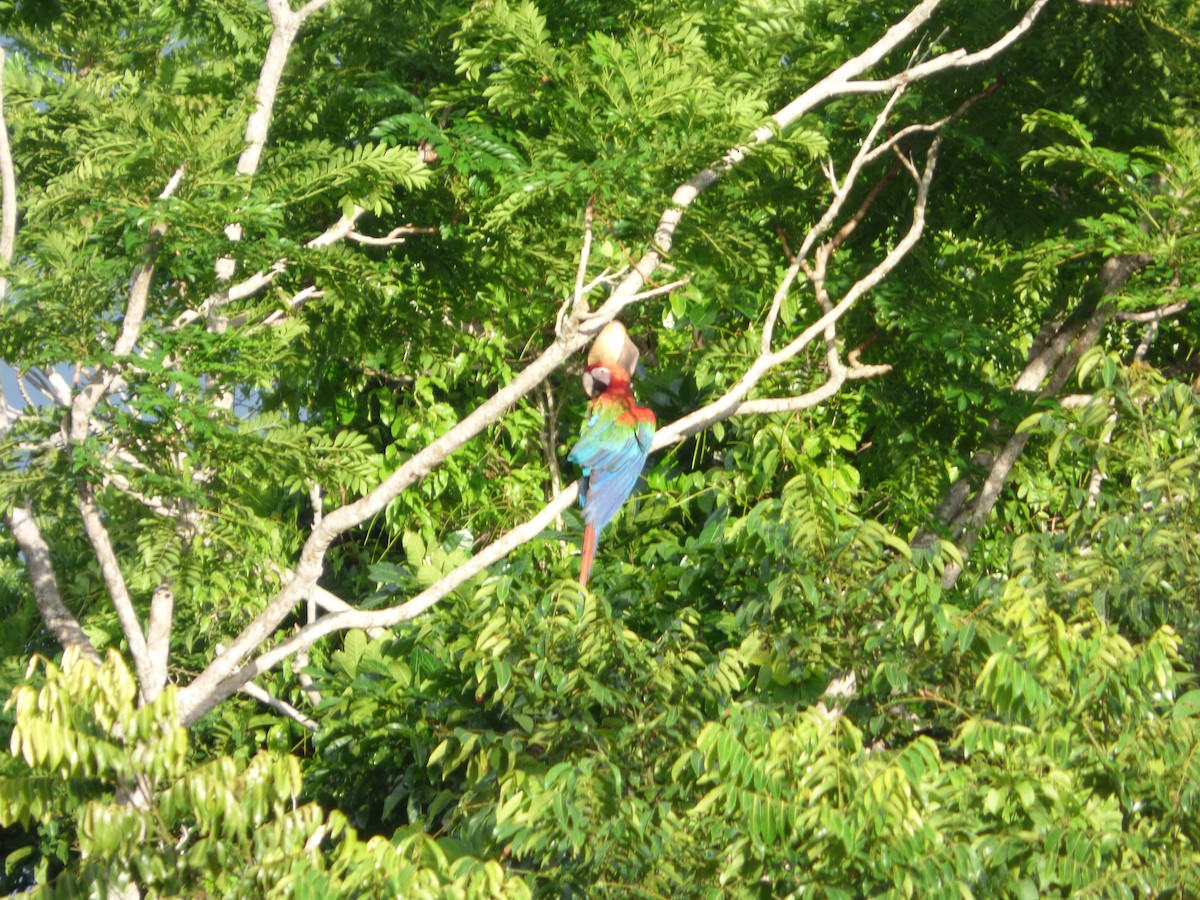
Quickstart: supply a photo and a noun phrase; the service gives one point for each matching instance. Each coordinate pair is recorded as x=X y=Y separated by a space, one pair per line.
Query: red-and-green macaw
x=615 y=437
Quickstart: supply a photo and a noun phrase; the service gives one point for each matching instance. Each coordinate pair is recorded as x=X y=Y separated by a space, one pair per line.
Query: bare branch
x=155 y=505
x=295 y=303
x=342 y=230
x=158 y=641
x=1053 y=358
x=104 y=380
x=250 y=689
x=832 y=211
x=396 y=236
x=20 y=378
x=8 y=191
x=285 y=26
x=118 y=592
x=326 y=600
x=968 y=523
x=339 y=230
x=311 y=7
x=781 y=292
x=928 y=128
x=955 y=59
x=1152 y=315
x=82 y=407
x=317 y=502
x=580 y=299
x=55 y=614
x=215 y=687
x=384 y=618
x=143 y=276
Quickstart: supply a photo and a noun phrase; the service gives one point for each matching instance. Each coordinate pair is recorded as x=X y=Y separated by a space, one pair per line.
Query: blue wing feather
x=611 y=456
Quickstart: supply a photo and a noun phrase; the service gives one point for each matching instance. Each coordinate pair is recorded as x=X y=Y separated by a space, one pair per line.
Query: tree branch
x=118 y=591
x=967 y=525
x=1152 y=316
x=8 y=191
x=285 y=26
x=158 y=641
x=397 y=235
x=57 y=617
x=105 y=379
x=250 y=689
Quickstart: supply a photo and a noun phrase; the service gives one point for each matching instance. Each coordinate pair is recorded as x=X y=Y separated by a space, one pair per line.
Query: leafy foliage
x=115 y=782
x=772 y=688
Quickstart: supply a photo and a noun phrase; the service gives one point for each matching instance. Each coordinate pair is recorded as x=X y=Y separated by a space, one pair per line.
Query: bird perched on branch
x=615 y=437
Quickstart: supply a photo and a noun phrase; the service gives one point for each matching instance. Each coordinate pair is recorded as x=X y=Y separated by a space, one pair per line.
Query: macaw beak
x=596 y=380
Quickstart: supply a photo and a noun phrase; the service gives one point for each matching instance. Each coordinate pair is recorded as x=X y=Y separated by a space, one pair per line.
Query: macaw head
x=613 y=357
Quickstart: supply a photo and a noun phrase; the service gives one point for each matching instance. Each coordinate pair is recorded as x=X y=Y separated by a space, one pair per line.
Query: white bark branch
x=339 y=230
x=110 y=569
x=250 y=689
x=397 y=235
x=285 y=26
x=1153 y=316
x=54 y=612
x=106 y=379
x=8 y=191
x=158 y=641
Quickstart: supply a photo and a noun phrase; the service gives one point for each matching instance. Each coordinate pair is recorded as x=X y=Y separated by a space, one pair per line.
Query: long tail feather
x=589 y=554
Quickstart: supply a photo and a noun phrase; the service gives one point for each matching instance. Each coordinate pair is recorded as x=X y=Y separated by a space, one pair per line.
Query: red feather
x=589 y=553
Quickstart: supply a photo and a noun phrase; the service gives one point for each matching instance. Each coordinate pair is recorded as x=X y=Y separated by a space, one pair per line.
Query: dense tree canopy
x=291 y=309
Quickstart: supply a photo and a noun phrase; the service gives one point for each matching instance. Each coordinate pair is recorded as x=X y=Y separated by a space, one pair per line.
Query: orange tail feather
x=589 y=554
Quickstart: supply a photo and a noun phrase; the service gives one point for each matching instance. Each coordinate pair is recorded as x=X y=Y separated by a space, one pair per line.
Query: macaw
x=615 y=437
